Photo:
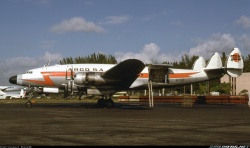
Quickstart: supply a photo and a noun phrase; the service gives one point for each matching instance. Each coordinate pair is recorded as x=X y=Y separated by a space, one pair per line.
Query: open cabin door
x=157 y=74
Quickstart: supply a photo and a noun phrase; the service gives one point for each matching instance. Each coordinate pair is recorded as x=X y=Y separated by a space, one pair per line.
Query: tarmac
x=127 y=124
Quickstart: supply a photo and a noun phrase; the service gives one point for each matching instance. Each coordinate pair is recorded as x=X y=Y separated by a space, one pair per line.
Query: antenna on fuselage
x=47 y=64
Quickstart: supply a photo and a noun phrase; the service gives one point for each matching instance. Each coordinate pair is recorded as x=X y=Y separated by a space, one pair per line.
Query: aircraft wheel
x=101 y=102
x=110 y=103
x=28 y=104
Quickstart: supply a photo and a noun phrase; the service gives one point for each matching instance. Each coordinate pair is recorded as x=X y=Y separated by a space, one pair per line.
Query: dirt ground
x=79 y=123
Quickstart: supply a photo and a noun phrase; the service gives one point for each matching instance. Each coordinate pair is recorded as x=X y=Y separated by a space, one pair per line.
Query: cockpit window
x=29 y=72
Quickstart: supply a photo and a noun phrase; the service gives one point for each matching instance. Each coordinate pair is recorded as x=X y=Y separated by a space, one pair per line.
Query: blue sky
x=35 y=31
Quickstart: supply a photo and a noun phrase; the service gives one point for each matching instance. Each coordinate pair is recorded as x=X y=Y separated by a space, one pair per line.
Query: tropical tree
x=93 y=58
x=246 y=60
x=244 y=92
x=223 y=88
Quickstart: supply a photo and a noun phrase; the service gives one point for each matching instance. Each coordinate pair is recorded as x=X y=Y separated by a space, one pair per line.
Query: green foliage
x=93 y=58
x=185 y=63
x=202 y=89
x=224 y=59
x=246 y=60
x=223 y=88
x=243 y=92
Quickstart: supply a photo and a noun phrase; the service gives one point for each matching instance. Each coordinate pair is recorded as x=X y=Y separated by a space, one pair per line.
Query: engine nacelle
x=88 y=78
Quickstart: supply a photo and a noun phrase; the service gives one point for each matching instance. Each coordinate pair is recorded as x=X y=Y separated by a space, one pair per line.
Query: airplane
x=130 y=74
x=17 y=94
x=10 y=88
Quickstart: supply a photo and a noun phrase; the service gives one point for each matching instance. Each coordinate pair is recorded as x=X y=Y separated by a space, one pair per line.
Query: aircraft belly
x=184 y=81
x=143 y=83
x=93 y=91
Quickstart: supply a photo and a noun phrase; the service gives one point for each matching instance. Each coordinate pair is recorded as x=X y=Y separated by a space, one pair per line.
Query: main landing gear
x=108 y=103
x=102 y=102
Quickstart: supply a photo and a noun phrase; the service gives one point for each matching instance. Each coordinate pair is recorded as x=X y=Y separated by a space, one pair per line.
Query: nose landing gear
x=28 y=103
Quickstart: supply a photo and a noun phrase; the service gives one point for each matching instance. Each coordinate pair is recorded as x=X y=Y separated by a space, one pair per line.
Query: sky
x=33 y=32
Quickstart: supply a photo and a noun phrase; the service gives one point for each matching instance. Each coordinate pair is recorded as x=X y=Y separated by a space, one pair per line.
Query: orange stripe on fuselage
x=172 y=75
x=143 y=75
x=47 y=80
x=181 y=75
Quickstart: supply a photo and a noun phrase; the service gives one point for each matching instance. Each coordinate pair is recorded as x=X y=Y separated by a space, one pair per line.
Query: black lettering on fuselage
x=87 y=69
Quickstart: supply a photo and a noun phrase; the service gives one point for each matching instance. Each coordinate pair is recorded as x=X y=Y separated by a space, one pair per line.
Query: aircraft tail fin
x=234 y=64
x=199 y=64
x=215 y=62
x=1 y=92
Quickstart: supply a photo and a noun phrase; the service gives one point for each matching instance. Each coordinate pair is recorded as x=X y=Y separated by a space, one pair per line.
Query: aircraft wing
x=125 y=72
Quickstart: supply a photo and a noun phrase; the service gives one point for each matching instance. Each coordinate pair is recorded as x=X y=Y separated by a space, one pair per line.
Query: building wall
x=242 y=82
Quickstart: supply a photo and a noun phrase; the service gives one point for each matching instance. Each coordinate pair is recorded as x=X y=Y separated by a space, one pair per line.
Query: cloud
x=244 y=21
x=76 y=24
x=115 y=19
x=217 y=43
x=28 y=62
x=149 y=17
x=245 y=39
x=54 y=58
x=149 y=54
x=18 y=65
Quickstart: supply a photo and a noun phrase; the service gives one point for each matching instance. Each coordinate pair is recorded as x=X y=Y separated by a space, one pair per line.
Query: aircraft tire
x=110 y=103
x=28 y=104
x=101 y=102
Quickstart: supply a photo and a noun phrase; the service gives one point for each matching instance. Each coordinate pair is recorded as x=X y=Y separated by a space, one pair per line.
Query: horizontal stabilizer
x=234 y=65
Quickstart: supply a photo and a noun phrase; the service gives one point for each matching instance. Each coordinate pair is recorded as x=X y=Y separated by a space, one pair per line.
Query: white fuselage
x=128 y=74
x=56 y=76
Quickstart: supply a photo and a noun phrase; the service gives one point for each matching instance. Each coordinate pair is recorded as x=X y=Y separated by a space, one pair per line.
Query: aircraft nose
x=13 y=80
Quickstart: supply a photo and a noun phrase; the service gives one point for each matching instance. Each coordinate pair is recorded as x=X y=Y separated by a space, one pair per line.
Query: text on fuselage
x=87 y=69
